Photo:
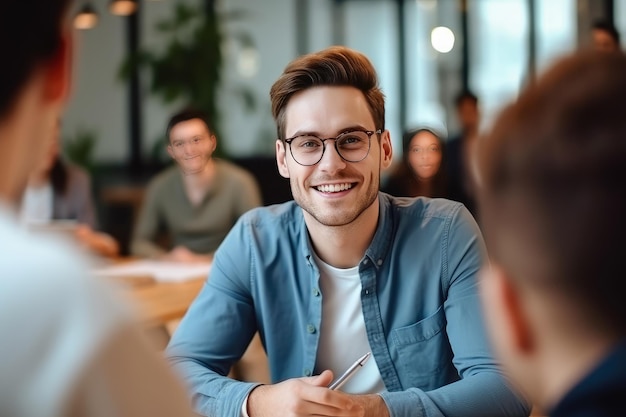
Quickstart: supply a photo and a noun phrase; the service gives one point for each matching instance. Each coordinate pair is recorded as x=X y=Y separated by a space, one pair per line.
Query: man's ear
x=213 y=140
x=170 y=151
x=281 y=161
x=514 y=319
x=386 y=151
x=58 y=70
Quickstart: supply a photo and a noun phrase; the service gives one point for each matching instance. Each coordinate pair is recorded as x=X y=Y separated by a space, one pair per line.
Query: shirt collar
x=378 y=248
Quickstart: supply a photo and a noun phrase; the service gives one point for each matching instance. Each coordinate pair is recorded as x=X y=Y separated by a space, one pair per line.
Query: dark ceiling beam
x=135 y=162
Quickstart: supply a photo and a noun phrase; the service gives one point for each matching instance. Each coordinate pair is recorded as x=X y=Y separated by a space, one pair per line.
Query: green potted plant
x=189 y=66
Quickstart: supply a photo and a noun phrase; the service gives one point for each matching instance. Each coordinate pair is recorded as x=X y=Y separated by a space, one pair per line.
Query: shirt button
x=307 y=372
x=316 y=292
x=380 y=262
x=365 y=262
x=310 y=328
x=367 y=292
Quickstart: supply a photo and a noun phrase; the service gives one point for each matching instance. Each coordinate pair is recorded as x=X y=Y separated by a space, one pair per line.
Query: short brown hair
x=334 y=66
x=184 y=115
x=552 y=195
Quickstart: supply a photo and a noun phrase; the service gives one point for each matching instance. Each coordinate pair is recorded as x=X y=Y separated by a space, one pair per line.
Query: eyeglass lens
x=351 y=146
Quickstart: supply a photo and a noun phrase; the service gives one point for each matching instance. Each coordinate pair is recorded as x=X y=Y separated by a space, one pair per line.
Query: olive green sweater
x=166 y=208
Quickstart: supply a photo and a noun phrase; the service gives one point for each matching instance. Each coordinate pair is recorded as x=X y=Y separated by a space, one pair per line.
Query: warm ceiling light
x=123 y=7
x=86 y=18
x=442 y=39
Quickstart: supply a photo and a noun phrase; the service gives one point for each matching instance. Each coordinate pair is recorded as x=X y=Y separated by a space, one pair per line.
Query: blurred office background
x=425 y=51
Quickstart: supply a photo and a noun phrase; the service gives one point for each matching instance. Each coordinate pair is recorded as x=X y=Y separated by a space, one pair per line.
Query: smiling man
x=341 y=271
x=197 y=202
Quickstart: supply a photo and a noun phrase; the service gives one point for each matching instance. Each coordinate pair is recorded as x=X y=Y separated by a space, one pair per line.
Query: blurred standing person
x=58 y=190
x=605 y=37
x=68 y=348
x=196 y=202
x=552 y=201
x=460 y=150
x=422 y=171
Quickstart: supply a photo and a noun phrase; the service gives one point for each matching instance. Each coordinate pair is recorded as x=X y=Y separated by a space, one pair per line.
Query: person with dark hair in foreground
x=68 y=348
x=552 y=202
x=342 y=271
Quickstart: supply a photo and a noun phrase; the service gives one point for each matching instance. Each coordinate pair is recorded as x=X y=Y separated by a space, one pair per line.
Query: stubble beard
x=195 y=169
x=342 y=216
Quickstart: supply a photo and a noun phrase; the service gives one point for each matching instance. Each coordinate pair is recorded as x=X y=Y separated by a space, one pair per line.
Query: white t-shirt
x=343 y=338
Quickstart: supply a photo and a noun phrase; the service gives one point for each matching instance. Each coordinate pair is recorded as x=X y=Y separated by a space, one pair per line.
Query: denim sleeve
x=482 y=390
x=216 y=331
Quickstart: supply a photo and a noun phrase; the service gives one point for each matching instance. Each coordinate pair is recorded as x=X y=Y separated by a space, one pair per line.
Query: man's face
x=469 y=115
x=332 y=192
x=602 y=41
x=191 y=145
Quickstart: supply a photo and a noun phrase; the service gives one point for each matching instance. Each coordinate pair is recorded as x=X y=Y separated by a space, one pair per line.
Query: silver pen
x=350 y=371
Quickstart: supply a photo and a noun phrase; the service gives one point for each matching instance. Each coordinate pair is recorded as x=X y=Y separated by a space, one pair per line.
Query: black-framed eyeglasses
x=352 y=146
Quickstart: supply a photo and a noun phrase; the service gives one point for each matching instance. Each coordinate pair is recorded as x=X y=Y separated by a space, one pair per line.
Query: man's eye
x=308 y=143
x=350 y=139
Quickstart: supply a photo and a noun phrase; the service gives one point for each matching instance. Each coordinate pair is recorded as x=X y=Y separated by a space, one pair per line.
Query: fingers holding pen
x=302 y=397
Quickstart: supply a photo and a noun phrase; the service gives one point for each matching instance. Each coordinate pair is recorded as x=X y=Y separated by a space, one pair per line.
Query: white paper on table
x=162 y=271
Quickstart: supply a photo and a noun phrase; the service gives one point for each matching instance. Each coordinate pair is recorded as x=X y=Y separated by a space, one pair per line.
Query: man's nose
x=331 y=160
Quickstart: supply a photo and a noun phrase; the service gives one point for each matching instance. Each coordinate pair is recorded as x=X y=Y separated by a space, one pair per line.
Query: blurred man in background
x=196 y=202
x=553 y=204
x=605 y=37
x=68 y=348
x=460 y=149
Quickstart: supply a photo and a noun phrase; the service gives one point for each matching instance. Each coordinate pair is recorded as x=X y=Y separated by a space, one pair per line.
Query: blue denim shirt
x=419 y=298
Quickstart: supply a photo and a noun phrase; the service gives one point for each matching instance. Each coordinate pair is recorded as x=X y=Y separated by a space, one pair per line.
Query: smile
x=333 y=188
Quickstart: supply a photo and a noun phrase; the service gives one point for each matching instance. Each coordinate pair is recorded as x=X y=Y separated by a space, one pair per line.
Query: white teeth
x=333 y=188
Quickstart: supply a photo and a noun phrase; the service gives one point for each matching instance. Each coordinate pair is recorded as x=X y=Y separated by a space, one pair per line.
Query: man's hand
x=98 y=242
x=302 y=397
x=373 y=405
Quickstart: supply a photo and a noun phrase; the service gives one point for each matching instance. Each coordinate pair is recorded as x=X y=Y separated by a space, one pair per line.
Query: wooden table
x=158 y=302
x=159 y=291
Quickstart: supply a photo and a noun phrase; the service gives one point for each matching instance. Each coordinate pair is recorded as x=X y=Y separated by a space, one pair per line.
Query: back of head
x=334 y=66
x=29 y=35
x=552 y=197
